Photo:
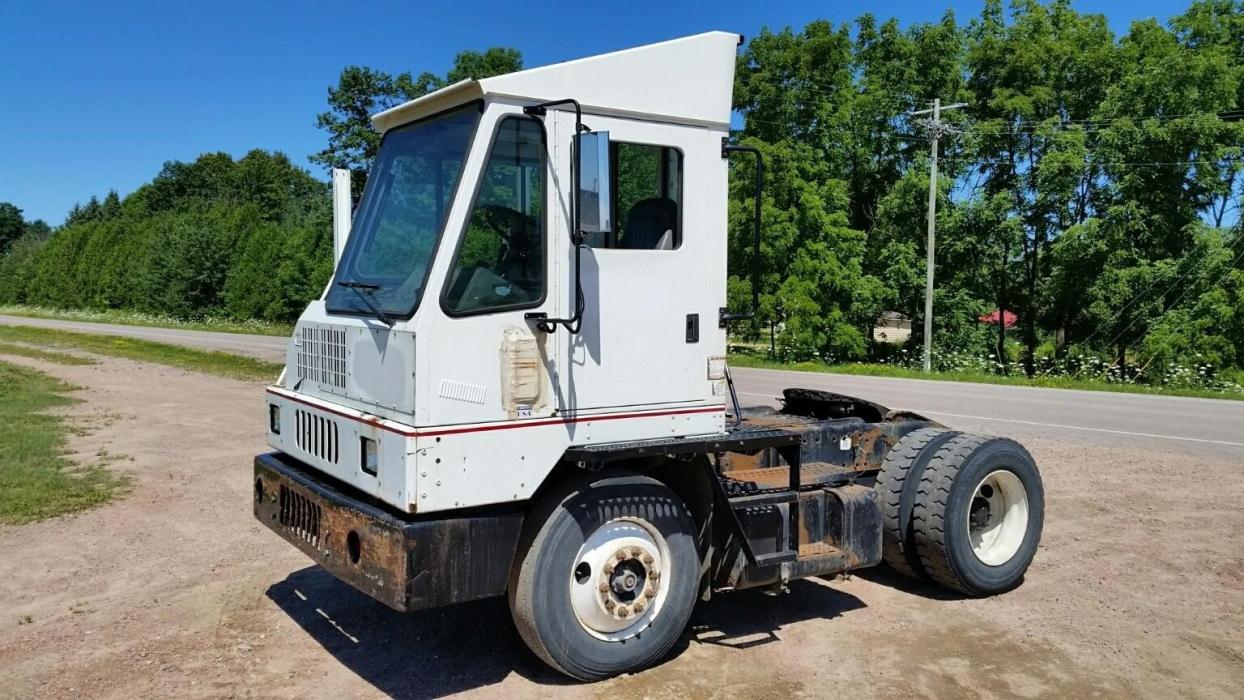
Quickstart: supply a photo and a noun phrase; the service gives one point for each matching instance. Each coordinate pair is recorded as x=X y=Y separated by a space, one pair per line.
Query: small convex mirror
x=595 y=201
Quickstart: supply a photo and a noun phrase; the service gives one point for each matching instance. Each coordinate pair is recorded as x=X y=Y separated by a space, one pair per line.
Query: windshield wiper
x=365 y=291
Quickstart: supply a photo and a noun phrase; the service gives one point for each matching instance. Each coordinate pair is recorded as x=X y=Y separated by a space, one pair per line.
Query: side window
x=500 y=261
x=647 y=192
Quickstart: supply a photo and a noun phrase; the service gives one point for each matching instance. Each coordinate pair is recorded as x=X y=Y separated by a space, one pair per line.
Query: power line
x=1175 y=304
x=1166 y=291
x=1089 y=125
x=1225 y=161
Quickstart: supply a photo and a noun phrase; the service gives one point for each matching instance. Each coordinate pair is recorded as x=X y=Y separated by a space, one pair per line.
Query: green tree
x=361 y=92
x=12 y=225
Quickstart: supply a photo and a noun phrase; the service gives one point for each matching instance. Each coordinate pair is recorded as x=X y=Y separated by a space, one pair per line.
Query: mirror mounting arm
x=541 y=319
x=726 y=316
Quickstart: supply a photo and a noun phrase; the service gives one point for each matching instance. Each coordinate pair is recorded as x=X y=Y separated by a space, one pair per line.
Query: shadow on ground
x=472 y=645
x=885 y=576
x=744 y=619
x=409 y=655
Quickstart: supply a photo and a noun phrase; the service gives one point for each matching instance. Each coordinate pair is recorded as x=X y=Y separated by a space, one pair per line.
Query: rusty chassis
x=791 y=496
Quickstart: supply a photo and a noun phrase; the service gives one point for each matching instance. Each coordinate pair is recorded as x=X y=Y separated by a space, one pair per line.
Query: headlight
x=369 y=457
x=274 y=419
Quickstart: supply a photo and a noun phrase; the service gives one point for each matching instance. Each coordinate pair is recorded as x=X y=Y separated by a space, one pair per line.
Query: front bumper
x=404 y=563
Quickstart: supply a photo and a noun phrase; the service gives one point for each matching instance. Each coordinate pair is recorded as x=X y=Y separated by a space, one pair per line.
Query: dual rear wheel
x=962 y=511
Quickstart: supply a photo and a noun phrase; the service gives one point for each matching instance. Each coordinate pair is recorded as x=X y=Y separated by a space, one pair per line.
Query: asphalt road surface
x=1185 y=425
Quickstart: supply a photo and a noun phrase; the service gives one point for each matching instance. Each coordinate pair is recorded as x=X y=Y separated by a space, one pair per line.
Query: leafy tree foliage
x=1092 y=185
x=361 y=92
x=248 y=238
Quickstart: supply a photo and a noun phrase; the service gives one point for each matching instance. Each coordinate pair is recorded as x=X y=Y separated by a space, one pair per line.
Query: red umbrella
x=1008 y=318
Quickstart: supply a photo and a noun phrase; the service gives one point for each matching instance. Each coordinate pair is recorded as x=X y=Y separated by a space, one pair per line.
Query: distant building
x=892 y=328
x=1008 y=318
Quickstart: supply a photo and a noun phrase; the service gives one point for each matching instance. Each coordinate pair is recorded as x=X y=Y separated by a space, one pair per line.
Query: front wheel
x=607 y=576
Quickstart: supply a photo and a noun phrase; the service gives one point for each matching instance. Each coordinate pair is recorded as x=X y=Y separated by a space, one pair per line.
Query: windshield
x=408 y=194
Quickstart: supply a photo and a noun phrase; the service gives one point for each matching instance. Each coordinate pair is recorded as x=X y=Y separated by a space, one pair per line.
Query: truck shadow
x=745 y=619
x=472 y=645
x=885 y=576
x=409 y=655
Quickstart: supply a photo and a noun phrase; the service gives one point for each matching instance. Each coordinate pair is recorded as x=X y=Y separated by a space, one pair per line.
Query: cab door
x=650 y=284
x=479 y=359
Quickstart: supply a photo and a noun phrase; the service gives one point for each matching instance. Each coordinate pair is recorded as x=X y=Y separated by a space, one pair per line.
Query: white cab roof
x=683 y=80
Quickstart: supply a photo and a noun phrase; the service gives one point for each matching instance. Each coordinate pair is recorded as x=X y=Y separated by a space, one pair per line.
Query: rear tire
x=978 y=514
x=626 y=534
x=898 y=482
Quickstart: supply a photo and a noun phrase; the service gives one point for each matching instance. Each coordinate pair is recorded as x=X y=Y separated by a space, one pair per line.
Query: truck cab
x=463 y=237
x=516 y=382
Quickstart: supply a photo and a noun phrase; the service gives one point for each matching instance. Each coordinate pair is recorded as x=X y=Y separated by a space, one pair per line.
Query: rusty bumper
x=405 y=563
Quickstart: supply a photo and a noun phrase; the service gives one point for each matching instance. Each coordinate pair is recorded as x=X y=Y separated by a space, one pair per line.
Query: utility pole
x=936 y=128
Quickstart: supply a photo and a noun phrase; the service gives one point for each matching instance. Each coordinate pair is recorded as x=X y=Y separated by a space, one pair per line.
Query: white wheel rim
x=620 y=578
x=997 y=518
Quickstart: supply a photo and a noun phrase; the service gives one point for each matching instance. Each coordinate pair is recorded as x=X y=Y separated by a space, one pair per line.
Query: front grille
x=299 y=515
x=317 y=435
x=322 y=355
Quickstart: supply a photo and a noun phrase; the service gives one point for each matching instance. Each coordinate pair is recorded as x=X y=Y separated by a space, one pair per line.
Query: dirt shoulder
x=175 y=590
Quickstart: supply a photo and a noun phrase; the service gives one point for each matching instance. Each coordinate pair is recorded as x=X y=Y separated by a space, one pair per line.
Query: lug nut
x=609 y=568
x=609 y=604
x=639 y=607
x=647 y=558
x=654 y=574
x=624 y=611
x=650 y=592
x=604 y=587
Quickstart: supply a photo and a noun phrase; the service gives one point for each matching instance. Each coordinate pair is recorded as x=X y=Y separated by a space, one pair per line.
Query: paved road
x=1160 y=423
x=264 y=347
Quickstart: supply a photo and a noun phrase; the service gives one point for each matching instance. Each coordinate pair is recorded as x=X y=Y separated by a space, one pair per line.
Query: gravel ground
x=1137 y=590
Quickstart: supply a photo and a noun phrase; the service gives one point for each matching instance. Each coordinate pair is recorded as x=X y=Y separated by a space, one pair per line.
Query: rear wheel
x=898 y=481
x=978 y=514
x=607 y=577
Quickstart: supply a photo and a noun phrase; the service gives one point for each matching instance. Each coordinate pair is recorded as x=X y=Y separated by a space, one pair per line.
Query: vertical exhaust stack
x=341 y=212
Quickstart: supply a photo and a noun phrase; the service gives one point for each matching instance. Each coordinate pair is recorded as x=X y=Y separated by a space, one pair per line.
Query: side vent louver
x=317 y=435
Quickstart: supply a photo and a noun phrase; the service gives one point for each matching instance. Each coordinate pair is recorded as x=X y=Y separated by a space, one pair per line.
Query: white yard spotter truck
x=515 y=383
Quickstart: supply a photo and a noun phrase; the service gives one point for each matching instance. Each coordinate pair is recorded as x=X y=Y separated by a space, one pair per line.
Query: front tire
x=978 y=515
x=606 y=576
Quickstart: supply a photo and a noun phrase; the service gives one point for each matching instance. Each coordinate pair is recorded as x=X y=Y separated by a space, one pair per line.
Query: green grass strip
x=138 y=318
x=36 y=480
x=222 y=364
x=59 y=358
x=870 y=370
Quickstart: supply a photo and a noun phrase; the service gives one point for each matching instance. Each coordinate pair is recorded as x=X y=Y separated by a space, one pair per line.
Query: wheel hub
x=627 y=577
x=980 y=513
x=619 y=579
x=997 y=518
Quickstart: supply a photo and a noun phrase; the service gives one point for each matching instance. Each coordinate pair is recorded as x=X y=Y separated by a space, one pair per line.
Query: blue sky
x=98 y=96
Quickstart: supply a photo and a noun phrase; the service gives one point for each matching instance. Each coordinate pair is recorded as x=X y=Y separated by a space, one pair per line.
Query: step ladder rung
x=770 y=498
x=775 y=558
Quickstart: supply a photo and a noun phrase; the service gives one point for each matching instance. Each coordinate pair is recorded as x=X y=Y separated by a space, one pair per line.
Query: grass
x=36 y=480
x=137 y=318
x=59 y=358
x=877 y=370
x=222 y=364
